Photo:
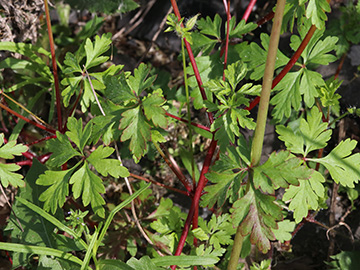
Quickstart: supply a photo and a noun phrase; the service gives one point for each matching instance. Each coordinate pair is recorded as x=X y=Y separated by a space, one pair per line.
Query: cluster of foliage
x=255 y=203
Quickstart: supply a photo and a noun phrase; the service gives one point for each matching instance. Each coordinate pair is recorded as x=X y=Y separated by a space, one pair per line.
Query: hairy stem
x=258 y=139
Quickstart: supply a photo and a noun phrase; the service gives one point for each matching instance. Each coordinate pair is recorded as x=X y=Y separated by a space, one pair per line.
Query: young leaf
x=306 y=196
x=210 y=27
x=256 y=214
x=315 y=11
x=312 y=134
x=255 y=57
x=8 y=151
x=280 y=170
x=55 y=195
x=139 y=81
x=294 y=9
x=76 y=132
x=342 y=166
x=152 y=108
x=241 y=28
x=7 y=175
x=106 y=166
x=61 y=149
x=94 y=50
x=284 y=230
x=89 y=185
x=137 y=130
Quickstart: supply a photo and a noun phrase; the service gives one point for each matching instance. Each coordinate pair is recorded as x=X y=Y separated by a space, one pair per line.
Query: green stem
x=188 y=113
x=258 y=141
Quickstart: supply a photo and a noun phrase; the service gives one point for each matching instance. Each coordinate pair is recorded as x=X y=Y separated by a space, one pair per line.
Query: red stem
x=289 y=65
x=193 y=62
x=42 y=139
x=53 y=59
x=53 y=131
x=186 y=121
x=248 y=10
x=195 y=203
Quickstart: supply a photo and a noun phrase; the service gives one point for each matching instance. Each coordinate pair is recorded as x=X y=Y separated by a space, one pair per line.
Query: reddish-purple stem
x=53 y=131
x=192 y=61
x=186 y=121
x=248 y=10
x=54 y=66
x=195 y=202
x=289 y=65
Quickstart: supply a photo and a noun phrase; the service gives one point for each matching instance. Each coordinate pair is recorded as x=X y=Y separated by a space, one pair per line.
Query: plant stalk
x=54 y=66
x=258 y=140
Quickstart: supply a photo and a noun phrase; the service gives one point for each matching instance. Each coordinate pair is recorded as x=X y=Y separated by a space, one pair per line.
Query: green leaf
x=76 y=132
x=241 y=28
x=255 y=57
x=40 y=250
x=153 y=110
x=94 y=50
x=139 y=81
x=284 y=230
x=38 y=231
x=306 y=196
x=89 y=186
x=342 y=166
x=55 y=195
x=288 y=96
x=113 y=265
x=316 y=10
x=256 y=214
x=294 y=9
x=144 y=263
x=210 y=27
x=184 y=260
x=72 y=64
x=312 y=134
x=98 y=158
x=234 y=73
x=280 y=170
x=61 y=149
x=108 y=7
x=137 y=130
x=219 y=191
x=200 y=234
x=7 y=175
x=11 y=149
x=118 y=90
